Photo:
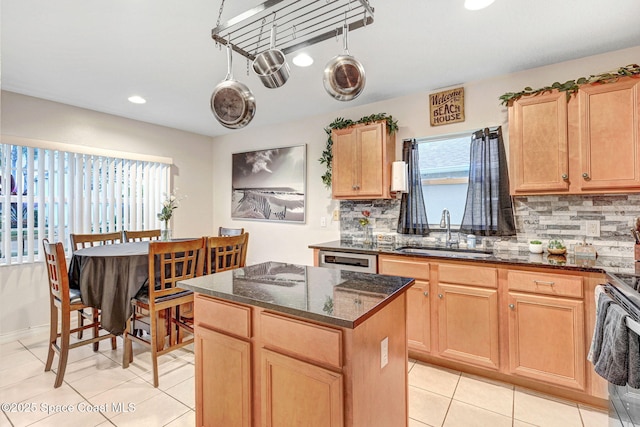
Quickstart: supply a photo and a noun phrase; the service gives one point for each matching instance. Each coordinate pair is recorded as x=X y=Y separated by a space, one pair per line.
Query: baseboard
x=22 y=333
x=34 y=330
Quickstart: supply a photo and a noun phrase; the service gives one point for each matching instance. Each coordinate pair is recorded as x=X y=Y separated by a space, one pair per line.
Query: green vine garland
x=572 y=86
x=341 y=123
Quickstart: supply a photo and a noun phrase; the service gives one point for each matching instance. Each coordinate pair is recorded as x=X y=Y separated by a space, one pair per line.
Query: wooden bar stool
x=169 y=262
x=63 y=302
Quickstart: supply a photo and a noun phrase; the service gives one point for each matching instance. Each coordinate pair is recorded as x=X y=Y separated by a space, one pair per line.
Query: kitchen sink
x=446 y=252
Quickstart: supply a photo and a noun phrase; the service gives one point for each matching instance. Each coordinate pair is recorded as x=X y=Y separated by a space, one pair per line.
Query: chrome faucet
x=445 y=222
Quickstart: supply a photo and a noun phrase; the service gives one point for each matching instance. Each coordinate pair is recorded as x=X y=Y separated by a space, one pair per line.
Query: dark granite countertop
x=321 y=294
x=609 y=265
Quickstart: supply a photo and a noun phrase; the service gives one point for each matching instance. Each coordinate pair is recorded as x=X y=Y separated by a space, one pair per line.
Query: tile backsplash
x=537 y=217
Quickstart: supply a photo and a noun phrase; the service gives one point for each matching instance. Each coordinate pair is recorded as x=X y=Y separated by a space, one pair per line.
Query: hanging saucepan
x=344 y=75
x=232 y=102
x=271 y=65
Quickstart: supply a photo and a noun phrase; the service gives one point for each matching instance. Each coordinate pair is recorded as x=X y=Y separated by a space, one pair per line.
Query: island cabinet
x=362 y=157
x=588 y=144
x=223 y=361
x=300 y=359
x=267 y=354
x=525 y=325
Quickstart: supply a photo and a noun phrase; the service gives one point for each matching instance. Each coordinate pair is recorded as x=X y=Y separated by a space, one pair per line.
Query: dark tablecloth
x=108 y=277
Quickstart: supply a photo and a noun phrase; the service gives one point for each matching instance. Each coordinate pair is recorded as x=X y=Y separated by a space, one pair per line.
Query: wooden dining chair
x=223 y=231
x=169 y=262
x=226 y=252
x=139 y=236
x=63 y=302
x=79 y=241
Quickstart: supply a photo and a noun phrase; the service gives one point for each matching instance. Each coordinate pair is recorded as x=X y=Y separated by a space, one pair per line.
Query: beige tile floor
x=442 y=397
x=94 y=381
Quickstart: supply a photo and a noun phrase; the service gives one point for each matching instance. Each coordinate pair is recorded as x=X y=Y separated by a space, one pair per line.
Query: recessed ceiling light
x=477 y=4
x=302 y=60
x=137 y=99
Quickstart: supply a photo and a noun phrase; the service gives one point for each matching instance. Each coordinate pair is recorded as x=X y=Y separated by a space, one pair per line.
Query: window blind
x=48 y=192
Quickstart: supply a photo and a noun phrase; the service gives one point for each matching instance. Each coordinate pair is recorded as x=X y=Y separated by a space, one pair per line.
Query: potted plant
x=556 y=247
x=535 y=247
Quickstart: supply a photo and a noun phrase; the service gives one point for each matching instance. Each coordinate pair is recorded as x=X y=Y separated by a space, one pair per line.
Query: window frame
x=435 y=226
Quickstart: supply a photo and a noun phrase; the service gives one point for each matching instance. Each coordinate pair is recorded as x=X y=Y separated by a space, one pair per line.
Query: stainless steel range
x=624 y=401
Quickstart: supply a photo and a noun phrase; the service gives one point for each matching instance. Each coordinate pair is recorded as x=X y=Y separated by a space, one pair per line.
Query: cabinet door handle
x=512 y=306
x=585 y=175
x=542 y=282
x=353 y=187
x=565 y=176
x=440 y=296
x=425 y=293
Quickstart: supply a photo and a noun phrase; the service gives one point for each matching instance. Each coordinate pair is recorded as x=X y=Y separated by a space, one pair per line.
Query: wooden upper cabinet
x=362 y=156
x=590 y=144
x=608 y=135
x=538 y=144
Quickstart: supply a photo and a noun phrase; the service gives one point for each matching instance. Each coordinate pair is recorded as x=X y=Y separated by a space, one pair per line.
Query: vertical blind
x=50 y=193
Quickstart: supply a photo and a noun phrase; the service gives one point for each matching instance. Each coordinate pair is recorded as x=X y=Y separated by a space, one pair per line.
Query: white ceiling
x=94 y=54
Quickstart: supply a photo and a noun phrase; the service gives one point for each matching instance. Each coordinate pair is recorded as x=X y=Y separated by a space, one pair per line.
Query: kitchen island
x=281 y=344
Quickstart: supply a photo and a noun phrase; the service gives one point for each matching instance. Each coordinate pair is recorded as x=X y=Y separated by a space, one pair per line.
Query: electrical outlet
x=323 y=221
x=336 y=215
x=384 y=352
x=592 y=228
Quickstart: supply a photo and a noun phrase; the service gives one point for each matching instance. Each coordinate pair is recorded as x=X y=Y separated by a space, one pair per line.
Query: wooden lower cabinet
x=260 y=368
x=223 y=379
x=285 y=380
x=468 y=324
x=418 y=297
x=419 y=317
x=528 y=326
x=547 y=339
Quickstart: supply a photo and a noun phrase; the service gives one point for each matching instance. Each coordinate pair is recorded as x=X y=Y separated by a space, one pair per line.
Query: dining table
x=108 y=277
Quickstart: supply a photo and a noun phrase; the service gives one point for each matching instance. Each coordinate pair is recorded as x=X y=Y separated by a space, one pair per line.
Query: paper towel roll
x=399 y=177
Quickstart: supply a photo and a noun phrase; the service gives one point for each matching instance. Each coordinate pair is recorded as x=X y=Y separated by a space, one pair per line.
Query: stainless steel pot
x=271 y=65
x=232 y=103
x=344 y=76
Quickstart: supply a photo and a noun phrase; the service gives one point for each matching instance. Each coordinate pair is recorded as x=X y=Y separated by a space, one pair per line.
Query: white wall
x=23 y=289
x=287 y=242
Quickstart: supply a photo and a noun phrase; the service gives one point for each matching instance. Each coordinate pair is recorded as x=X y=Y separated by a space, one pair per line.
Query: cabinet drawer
x=404 y=266
x=317 y=343
x=223 y=316
x=468 y=275
x=543 y=283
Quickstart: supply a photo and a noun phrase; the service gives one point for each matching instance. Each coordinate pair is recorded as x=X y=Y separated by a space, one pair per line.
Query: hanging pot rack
x=300 y=23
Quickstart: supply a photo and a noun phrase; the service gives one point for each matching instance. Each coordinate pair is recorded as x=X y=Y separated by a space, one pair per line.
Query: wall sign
x=446 y=107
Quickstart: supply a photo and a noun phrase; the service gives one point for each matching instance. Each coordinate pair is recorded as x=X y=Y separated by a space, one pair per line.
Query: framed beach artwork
x=269 y=185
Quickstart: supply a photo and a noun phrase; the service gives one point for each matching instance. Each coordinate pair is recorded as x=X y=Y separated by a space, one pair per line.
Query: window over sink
x=444 y=171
